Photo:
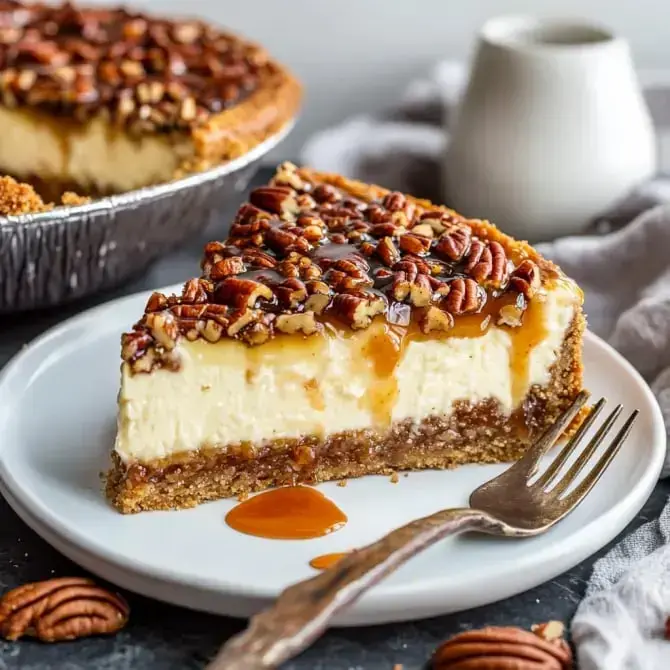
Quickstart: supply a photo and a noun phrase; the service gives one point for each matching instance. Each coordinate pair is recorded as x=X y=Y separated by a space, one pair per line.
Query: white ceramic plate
x=57 y=422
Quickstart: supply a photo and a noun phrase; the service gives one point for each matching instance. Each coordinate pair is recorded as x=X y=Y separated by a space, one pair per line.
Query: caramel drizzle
x=287 y=513
x=326 y=561
x=386 y=344
x=382 y=346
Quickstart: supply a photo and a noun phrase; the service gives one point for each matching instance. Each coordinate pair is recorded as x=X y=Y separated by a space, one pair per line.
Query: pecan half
x=227 y=267
x=454 y=243
x=275 y=199
x=326 y=193
x=419 y=266
x=60 y=609
x=387 y=251
x=487 y=263
x=156 y=303
x=499 y=265
x=398 y=202
x=478 y=254
x=414 y=244
x=385 y=230
x=526 y=278
x=465 y=296
x=258 y=259
x=502 y=647
x=357 y=308
x=241 y=292
x=284 y=241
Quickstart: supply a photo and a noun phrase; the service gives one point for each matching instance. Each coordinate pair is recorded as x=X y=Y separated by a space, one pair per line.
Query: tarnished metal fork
x=517 y=503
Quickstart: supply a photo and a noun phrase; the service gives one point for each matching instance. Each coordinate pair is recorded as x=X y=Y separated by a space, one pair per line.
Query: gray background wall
x=357 y=55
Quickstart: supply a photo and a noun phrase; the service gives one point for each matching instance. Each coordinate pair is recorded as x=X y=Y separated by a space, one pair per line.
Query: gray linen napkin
x=623 y=265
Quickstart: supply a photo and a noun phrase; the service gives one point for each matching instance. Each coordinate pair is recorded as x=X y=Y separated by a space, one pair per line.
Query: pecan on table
x=66 y=608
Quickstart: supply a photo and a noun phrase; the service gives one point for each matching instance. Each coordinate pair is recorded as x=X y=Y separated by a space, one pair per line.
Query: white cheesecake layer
x=228 y=393
x=92 y=156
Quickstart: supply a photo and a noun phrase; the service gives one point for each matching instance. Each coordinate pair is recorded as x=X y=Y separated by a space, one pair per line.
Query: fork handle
x=303 y=611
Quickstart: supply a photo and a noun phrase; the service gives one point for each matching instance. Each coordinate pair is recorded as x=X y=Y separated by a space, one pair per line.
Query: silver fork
x=514 y=504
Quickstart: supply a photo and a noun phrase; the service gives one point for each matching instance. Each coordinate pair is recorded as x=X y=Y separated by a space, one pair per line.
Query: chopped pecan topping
x=421 y=291
x=511 y=315
x=303 y=322
x=401 y=285
x=135 y=343
x=194 y=291
x=302 y=252
x=435 y=319
x=65 y=608
x=241 y=318
x=291 y=293
x=163 y=327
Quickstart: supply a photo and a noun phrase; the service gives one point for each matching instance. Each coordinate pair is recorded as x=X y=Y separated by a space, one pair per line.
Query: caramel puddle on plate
x=327 y=560
x=287 y=513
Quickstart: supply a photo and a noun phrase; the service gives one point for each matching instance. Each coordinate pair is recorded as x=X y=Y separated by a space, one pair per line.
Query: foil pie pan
x=50 y=258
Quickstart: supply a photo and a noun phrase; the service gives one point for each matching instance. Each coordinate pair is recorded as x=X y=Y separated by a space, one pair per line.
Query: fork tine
x=586 y=454
x=532 y=457
x=574 y=498
x=567 y=450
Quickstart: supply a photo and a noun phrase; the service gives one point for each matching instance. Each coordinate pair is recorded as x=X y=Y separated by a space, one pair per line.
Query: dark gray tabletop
x=164 y=637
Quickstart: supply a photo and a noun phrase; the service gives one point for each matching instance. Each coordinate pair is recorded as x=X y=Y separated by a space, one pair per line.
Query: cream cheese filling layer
x=229 y=393
x=92 y=156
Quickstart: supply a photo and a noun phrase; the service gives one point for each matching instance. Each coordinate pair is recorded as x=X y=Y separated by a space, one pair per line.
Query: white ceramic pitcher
x=552 y=128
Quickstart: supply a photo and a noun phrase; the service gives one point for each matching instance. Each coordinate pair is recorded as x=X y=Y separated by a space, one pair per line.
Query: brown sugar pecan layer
x=311 y=251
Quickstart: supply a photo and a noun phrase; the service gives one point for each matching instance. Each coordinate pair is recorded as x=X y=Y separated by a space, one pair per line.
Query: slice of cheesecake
x=104 y=101
x=342 y=330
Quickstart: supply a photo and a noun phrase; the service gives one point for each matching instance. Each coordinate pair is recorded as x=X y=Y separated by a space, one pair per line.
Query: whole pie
x=104 y=101
x=342 y=330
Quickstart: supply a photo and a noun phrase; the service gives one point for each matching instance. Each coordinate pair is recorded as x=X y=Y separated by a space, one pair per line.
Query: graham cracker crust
x=471 y=434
